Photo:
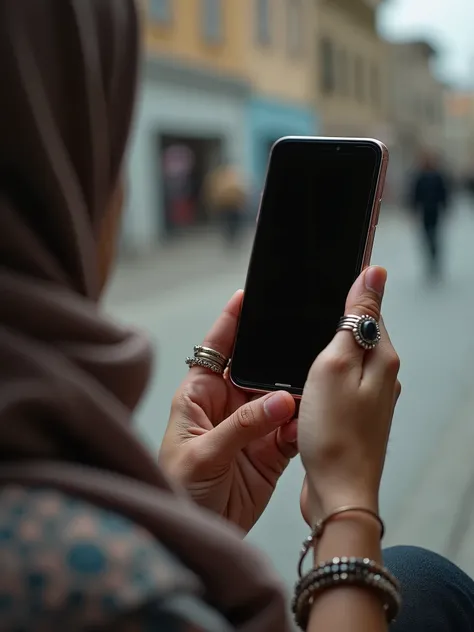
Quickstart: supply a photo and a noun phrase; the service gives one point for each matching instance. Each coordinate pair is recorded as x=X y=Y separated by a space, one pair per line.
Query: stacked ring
x=365 y=329
x=208 y=358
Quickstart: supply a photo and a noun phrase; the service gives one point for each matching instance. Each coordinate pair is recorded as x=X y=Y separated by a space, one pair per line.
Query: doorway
x=185 y=162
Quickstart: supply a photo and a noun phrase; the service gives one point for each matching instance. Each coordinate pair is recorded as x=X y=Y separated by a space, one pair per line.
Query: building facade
x=279 y=63
x=351 y=69
x=459 y=134
x=222 y=81
x=192 y=115
x=417 y=113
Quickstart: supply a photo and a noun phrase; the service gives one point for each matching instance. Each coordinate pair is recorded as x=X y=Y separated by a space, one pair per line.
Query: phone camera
x=338 y=148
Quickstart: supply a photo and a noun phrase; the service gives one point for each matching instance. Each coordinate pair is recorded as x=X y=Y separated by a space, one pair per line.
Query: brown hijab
x=70 y=378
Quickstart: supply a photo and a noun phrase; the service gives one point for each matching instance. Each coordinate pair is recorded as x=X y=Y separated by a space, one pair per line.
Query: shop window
x=262 y=21
x=160 y=10
x=328 y=70
x=212 y=20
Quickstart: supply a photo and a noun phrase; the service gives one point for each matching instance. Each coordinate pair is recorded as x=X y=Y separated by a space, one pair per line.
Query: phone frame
x=370 y=237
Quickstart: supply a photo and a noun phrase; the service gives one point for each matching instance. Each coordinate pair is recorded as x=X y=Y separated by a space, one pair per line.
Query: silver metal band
x=199 y=349
x=208 y=358
x=365 y=329
x=205 y=364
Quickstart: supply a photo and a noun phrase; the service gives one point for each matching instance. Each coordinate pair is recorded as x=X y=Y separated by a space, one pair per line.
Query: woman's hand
x=227 y=448
x=346 y=412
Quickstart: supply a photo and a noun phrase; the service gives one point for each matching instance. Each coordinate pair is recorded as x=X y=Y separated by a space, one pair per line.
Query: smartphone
x=315 y=231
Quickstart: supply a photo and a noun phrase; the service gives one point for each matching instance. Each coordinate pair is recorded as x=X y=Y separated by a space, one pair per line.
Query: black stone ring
x=365 y=329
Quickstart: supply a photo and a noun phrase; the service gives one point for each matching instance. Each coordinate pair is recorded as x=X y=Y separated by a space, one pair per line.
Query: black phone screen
x=308 y=249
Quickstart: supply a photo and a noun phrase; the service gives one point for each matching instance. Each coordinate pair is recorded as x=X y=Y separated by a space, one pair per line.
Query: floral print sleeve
x=68 y=565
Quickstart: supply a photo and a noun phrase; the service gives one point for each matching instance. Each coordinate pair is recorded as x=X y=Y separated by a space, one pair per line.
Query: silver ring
x=208 y=358
x=199 y=349
x=365 y=329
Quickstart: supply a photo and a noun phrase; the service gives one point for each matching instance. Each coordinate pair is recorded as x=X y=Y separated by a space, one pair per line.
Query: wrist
x=353 y=534
x=322 y=505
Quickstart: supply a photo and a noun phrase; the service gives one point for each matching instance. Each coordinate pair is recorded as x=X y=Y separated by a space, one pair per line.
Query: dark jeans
x=232 y=222
x=437 y=596
x=431 y=236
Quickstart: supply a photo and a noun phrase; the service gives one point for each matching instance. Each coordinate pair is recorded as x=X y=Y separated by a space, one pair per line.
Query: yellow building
x=204 y=33
x=352 y=69
x=280 y=48
x=270 y=45
x=222 y=80
x=279 y=51
x=192 y=114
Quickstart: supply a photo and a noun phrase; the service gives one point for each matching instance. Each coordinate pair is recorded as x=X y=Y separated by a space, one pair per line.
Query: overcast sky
x=447 y=23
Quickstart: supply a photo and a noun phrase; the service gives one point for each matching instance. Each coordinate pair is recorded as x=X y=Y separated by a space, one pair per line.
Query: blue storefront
x=269 y=120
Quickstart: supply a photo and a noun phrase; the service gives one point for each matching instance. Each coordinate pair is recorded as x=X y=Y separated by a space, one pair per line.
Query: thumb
x=365 y=298
x=252 y=421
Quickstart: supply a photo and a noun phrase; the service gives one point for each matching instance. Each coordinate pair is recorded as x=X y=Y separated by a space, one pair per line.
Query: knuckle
x=179 y=401
x=370 y=305
x=334 y=364
x=245 y=416
x=182 y=400
x=392 y=363
x=398 y=389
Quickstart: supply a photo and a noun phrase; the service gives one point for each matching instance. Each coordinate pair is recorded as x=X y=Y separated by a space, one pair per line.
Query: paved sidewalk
x=439 y=513
x=192 y=258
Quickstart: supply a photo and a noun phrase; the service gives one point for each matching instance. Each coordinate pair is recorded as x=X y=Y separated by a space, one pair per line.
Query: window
x=212 y=20
x=342 y=72
x=160 y=10
x=375 y=90
x=262 y=21
x=359 y=79
x=328 y=82
x=295 y=26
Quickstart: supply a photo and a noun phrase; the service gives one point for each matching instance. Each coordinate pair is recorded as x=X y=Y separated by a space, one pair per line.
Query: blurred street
x=176 y=294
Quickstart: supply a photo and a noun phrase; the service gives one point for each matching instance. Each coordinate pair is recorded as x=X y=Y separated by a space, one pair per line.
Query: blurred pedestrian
x=469 y=184
x=227 y=201
x=429 y=200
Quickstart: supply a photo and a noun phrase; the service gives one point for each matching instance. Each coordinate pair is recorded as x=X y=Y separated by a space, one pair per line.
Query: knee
x=436 y=594
x=412 y=562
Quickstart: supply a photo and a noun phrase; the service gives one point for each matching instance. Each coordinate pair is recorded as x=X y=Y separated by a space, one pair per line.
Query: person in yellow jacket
x=226 y=195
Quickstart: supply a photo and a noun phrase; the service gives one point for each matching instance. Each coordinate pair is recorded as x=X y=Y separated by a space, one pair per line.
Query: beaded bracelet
x=320 y=526
x=341 y=565
x=344 y=571
x=338 y=572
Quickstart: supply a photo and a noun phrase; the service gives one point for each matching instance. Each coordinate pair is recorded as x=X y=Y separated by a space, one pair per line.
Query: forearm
x=349 y=608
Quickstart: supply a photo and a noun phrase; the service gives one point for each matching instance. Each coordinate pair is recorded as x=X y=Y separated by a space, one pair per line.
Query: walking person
x=429 y=200
x=227 y=200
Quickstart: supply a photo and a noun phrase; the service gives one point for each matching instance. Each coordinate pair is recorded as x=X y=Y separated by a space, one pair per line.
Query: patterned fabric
x=66 y=565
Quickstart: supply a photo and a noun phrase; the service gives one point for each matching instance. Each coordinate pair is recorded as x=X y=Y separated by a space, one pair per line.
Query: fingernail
x=277 y=407
x=375 y=279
